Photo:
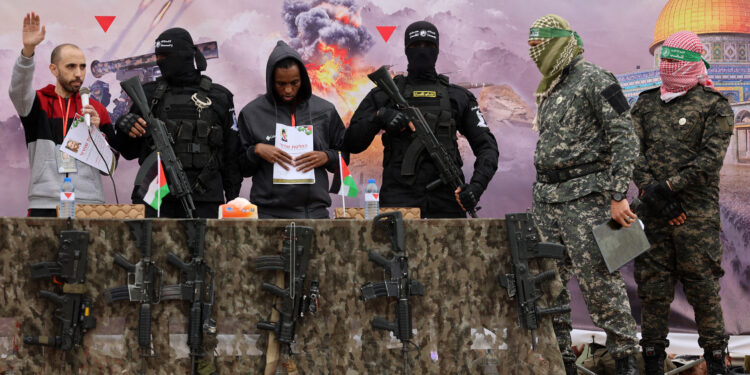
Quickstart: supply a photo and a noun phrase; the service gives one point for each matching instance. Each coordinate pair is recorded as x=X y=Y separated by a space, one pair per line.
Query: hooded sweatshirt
x=42 y=114
x=257 y=124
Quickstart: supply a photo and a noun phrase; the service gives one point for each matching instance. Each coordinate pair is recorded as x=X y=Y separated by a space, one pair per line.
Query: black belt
x=565 y=174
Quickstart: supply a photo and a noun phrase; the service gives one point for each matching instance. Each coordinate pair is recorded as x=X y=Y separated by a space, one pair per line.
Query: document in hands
x=620 y=245
x=79 y=143
x=295 y=141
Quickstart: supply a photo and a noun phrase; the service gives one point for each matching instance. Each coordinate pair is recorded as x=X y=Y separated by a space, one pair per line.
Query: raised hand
x=33 y=33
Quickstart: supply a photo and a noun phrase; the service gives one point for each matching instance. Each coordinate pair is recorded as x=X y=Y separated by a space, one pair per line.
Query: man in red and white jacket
x=47 y=115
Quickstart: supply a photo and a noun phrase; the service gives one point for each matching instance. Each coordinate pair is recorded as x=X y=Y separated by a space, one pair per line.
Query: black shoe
x=715 y=361
x=626 y=366
x=653 y=358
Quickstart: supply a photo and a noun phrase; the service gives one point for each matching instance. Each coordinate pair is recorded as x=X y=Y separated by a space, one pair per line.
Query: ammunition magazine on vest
x=433 y=101
x=562 y=175
x=194 y=126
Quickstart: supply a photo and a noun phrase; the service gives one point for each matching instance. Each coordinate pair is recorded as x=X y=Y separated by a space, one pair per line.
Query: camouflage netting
x=465 y=324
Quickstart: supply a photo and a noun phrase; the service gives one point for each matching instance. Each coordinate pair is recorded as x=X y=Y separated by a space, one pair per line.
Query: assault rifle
x=295 y=299
x=195 y=288
x=72 y=309
x=521 y=284
x=179 y=185
x=399 y=286
x=142 y=286
x=450 y=174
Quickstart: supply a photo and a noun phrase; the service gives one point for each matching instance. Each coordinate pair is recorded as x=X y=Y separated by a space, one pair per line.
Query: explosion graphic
x=331 y=40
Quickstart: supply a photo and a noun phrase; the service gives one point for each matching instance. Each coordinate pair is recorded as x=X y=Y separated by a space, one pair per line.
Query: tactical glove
x=391 y=120
x=469 y=195
x=125 y=123
x=662 y=201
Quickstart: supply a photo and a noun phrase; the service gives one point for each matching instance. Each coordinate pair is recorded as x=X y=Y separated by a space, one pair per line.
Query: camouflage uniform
x=683 y=142
x=578 y=126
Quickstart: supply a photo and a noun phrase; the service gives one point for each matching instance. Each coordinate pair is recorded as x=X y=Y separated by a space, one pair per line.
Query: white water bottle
x=67 y=199
x=372 y=200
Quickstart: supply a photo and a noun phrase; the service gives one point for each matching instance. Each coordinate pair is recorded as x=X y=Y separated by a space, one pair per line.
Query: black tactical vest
x=433 y=101
x=194 y=124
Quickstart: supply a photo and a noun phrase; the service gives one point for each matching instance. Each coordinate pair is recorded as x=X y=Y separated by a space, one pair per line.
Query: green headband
x=682 y=55
x=548 y=32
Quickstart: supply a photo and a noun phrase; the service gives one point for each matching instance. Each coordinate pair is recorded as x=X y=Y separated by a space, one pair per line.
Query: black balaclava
x=178 y=67
x=422 y=59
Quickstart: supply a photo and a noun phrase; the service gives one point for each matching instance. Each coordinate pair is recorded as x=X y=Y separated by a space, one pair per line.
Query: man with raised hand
x=47 y=115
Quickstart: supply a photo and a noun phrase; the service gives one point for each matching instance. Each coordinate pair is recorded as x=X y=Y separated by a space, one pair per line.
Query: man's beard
x=68 y=86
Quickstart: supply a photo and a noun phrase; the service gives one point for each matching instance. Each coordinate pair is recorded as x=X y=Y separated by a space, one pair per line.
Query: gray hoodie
x=257 y=124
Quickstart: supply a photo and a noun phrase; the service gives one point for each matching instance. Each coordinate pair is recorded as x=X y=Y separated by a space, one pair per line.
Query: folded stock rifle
x=72 y=308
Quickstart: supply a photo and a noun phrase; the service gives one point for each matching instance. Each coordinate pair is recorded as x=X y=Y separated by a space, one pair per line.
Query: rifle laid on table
x=521 y=284
x=196 y=287
x=179 y=185
x=142 y=285
x=450 y=173
x=399 y=286
x=72 y=308
x=296 y=299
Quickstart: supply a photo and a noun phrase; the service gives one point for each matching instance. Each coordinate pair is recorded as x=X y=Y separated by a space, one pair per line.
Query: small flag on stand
x=348 y=188
x=157 y=188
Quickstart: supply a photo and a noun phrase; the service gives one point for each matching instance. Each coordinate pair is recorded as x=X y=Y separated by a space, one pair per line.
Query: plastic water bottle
x=67 y=199
x=372 y=200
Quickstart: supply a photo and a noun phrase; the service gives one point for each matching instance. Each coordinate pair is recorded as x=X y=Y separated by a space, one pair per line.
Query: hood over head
x=281 y=52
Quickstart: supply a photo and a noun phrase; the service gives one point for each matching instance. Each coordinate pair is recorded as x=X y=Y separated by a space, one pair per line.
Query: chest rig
x=191 y=119
x=433 y=101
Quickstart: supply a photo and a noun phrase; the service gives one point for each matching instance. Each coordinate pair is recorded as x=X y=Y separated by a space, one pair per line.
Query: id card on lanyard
x=65 y=163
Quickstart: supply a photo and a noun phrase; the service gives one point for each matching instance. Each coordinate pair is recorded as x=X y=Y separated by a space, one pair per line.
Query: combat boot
x=715 y=361
x=626 y=366
x=653 y=358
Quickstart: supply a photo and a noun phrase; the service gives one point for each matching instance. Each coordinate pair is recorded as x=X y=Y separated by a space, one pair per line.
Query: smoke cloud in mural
x=335 y=22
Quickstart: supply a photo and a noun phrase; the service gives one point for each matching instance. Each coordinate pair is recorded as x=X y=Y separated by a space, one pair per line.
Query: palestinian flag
x=347 y=186
x=154 y=187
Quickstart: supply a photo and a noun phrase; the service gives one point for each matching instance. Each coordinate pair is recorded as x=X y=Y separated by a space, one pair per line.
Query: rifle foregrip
x=144 y=326
x=124 y=263
x=194 y=328
x=268 y=326
x=544 y=276
x=416 y=288
x=380 y=323
x=403 y=311
x=273 y=289
x=55 y=298
x=553 y=310
x=378 y=259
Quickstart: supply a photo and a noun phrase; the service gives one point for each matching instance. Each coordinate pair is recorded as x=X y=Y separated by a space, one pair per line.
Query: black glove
x=661 y=200
x=391 y=120
x=125 y=123
x=469 y=195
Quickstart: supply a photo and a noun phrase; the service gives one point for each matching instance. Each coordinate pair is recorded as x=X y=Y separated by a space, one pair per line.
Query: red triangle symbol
x=375 y=195
x=67 y=195
x=105 y=21
x=386 y=31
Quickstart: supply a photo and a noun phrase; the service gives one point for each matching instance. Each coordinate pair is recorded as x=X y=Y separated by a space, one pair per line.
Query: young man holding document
x=290 y=139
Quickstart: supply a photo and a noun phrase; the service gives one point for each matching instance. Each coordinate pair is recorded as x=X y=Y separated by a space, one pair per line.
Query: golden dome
x=702 y=17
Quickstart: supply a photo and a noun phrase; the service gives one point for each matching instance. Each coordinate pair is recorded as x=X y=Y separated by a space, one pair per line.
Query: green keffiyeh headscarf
x=560 y=45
